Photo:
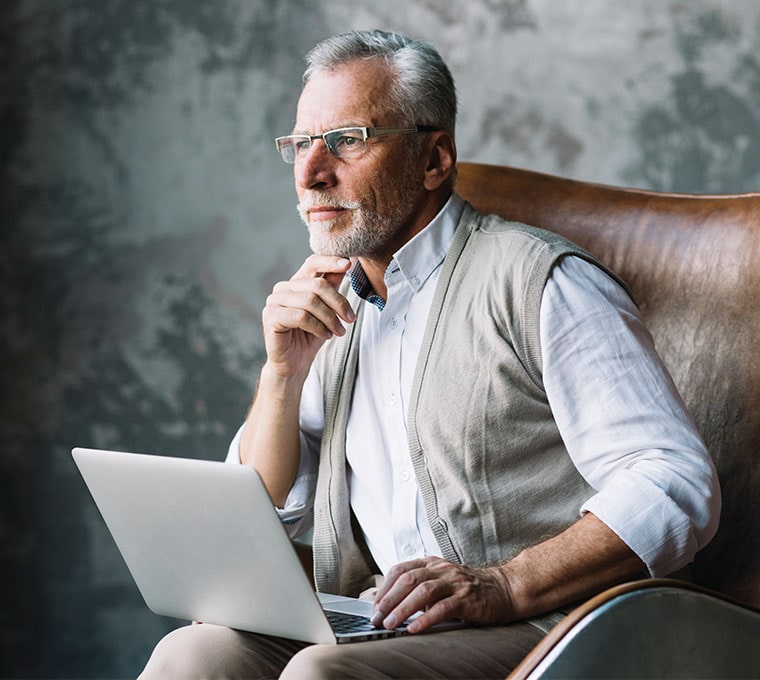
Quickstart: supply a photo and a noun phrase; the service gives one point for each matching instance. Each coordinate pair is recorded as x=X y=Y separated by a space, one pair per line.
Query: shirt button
x=392 y=323
x=415 y=281
x=404 y=476
x=392 y=400
x=409 y=550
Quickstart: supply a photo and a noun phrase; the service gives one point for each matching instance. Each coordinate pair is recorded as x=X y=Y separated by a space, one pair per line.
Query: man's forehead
x=353 y=94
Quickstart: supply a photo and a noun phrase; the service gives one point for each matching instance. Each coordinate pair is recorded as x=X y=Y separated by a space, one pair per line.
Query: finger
x=444 y=610
x=399 y=594
x=313 y=294
x=284 y=319
x=393 y=574
x=421 y=598
x=302 y=311
x=316 y=265
x=307 y=310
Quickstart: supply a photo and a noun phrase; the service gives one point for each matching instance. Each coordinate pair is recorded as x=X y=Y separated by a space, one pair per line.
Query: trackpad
x=347 y=605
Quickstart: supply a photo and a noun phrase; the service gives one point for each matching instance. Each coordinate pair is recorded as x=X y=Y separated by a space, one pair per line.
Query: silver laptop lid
x=203 y=542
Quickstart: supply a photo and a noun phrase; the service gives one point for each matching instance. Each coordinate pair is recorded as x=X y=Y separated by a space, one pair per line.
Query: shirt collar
x=362 y=287
x=419 y=257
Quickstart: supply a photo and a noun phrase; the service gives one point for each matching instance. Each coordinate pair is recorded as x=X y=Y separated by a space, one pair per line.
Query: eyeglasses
x=348 y=142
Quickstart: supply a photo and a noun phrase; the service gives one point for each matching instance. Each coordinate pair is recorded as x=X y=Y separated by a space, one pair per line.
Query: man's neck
x=375 y=266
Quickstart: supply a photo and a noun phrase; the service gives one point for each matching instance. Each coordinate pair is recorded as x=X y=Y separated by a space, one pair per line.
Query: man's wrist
x=276 y=381
x=505 y=589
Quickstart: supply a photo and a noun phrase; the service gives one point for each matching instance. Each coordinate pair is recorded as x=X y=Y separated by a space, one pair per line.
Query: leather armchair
x=693 y=265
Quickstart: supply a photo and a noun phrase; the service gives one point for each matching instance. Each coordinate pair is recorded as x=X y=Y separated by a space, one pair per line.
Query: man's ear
x=441 y=159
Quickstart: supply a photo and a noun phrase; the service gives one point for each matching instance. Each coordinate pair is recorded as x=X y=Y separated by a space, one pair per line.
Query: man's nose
x=317 y=167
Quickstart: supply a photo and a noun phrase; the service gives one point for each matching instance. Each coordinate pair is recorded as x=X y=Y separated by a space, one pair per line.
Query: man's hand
x=299 y=316
x=304 y=312
x=581 y=561
x=442 y=591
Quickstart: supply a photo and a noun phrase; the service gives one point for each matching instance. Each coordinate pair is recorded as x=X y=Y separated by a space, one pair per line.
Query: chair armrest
x=657 y=628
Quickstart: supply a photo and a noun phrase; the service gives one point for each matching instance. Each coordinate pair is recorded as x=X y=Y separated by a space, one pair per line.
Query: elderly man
x=468 y=410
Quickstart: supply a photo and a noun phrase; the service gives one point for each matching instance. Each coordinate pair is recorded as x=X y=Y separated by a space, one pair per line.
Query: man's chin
x=327 y=240
x=327 y=246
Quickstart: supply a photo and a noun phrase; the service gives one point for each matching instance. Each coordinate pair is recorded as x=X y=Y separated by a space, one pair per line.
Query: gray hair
x=423 y=92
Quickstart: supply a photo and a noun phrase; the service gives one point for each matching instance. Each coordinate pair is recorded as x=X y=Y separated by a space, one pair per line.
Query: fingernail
x=377 y=619
x=390 y=622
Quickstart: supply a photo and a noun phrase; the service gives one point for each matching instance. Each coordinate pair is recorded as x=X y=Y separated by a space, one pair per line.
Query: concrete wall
x=145 y=216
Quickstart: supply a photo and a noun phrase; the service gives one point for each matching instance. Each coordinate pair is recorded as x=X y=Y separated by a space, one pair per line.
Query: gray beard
x=368 y=233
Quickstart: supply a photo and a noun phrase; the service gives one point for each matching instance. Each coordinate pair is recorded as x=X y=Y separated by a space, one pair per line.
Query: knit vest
x=493 y=472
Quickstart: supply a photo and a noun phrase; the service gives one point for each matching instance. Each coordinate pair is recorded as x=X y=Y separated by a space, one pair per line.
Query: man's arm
x=270 y=440
x=629 y=435
x=299 y=316
x=623 y=421
x=582 y=560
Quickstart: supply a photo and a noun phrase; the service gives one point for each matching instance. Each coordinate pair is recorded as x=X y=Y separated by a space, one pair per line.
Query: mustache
x=316 y=199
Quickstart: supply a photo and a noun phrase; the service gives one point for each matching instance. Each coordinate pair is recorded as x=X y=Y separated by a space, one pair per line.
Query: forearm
x=299 y=316
x=579 y=562
x=584 y=559
x=270 y=440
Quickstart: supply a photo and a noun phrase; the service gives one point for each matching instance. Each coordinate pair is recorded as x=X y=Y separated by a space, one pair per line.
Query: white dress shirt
x=617 y=410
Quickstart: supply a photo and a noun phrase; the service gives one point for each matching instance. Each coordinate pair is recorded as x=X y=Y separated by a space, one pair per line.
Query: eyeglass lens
x=343 y=143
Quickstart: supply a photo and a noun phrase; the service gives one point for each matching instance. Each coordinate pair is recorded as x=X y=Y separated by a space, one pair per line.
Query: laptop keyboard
x=349 y=623
x=356 y=628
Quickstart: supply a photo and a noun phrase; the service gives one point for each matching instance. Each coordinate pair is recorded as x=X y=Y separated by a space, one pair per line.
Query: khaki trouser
x=208 y=651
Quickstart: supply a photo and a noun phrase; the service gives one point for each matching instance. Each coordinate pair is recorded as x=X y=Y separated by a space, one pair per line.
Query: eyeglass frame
x=367 y=132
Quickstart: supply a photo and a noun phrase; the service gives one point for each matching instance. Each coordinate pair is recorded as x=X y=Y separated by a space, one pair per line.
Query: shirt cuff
x=647 y=520
x=296 y=513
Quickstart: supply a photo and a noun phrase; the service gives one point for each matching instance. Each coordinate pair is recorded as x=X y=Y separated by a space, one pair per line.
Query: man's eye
x=302 y=144
x=346 y=140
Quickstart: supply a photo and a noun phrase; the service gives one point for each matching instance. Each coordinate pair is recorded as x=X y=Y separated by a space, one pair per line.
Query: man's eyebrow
x=328 y=128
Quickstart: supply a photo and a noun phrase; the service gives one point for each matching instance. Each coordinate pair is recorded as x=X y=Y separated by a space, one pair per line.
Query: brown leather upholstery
x=693 y=265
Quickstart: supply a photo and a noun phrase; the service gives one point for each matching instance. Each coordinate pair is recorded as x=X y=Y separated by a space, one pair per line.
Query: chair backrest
x=693 y=265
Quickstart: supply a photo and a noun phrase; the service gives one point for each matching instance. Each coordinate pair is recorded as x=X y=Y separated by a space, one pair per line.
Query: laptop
x=204 y=543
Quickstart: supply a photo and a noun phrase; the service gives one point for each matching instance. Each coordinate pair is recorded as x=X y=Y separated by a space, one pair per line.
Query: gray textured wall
x=145 y=216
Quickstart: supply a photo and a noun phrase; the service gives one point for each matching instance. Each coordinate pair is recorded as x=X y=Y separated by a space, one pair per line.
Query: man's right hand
x=304 y=312
x=299 y=316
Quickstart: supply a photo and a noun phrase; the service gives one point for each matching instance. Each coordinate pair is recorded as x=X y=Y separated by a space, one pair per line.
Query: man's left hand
x=443 y=591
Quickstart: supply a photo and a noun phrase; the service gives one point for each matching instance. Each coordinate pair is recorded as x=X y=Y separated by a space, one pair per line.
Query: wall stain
x=705 y=136
x=525 y=129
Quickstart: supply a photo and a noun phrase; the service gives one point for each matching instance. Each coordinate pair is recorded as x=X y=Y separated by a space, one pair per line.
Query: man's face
x=367 y=206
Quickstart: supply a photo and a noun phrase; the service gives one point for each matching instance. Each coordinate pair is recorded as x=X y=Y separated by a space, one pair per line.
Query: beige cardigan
x=490 y=463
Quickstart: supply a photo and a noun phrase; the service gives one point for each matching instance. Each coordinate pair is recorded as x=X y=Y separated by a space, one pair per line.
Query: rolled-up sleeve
x=297 y=511
x=622 y=420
